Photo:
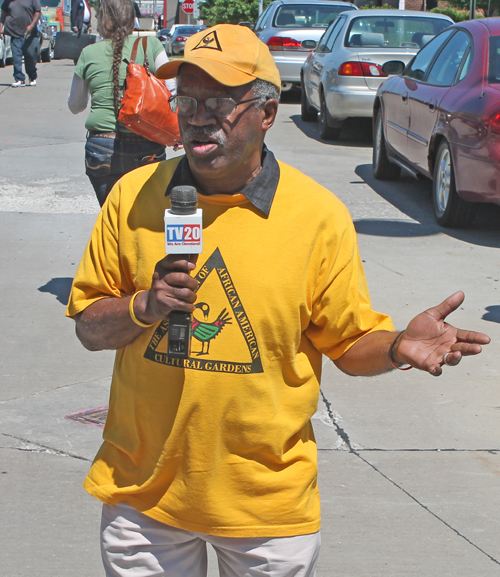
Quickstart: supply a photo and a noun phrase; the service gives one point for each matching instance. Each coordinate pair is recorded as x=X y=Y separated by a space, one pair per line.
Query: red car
x=440 y=118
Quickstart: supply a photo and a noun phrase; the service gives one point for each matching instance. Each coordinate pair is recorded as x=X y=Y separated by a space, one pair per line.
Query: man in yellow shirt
x=218 y=448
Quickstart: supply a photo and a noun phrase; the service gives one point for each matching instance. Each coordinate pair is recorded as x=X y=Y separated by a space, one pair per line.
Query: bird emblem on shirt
x=205 y=332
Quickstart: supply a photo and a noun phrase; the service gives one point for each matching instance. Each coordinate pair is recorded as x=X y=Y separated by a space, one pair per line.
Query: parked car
x=441 y=119
x=5 y=51
x=175 y=41
x=340 y=78
x=46 y=33
x=292 y=28
x=163 y=35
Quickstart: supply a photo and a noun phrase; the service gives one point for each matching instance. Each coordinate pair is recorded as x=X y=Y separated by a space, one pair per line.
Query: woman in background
x=111 y=150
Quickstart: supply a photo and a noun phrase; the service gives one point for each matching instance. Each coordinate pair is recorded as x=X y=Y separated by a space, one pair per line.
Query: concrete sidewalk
x=409 y=464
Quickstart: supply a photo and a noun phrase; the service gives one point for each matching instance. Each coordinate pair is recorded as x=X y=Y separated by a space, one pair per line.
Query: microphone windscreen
x=183 y=200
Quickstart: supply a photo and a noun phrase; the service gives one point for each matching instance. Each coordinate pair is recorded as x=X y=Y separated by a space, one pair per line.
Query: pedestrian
x=138 y=14
x=81 y=17
x=19 y=20
x=111 y=149
x=218 y=448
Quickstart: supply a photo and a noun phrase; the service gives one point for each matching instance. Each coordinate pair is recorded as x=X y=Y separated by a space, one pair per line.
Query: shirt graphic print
x=223 y=340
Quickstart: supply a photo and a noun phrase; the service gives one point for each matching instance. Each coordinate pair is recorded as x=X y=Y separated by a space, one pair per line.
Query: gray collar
x=260 y=191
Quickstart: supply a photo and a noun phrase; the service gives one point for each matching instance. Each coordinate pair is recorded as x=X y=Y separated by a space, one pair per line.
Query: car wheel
x=307 y=112
x=2 y=62
x=449 y=208
x=45 y=55
x=325 y=130
x=383 y=168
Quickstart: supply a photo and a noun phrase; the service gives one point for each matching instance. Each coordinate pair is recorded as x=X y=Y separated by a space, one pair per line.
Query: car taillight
x=286 y=43
x=161 y=38
x=492 y=118
x=181 y=39
x=361 y=69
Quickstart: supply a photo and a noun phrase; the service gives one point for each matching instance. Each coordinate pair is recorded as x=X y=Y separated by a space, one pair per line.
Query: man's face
x=224 y=149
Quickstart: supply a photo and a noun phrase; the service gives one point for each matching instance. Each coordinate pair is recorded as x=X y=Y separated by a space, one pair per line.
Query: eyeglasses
x=218 y=107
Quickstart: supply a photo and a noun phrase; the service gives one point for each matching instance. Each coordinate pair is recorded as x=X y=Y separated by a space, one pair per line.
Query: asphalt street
x=409 y=465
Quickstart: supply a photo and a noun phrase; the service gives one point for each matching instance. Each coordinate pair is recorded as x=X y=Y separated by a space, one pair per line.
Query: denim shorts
x=108 y=159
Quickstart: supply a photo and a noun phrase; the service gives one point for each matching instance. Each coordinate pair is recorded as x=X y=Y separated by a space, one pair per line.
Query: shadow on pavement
x=60 y=287
x=413 y=198
x=493 y=314
x=355 y=132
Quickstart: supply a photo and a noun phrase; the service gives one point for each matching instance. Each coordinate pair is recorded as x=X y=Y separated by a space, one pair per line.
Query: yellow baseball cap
x=231 y=54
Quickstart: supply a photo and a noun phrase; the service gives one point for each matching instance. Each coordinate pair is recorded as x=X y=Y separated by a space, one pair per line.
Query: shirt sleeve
x=80 y=65
x=37 y=6
x=341 y=310
x=100 y=273
x=156 y=47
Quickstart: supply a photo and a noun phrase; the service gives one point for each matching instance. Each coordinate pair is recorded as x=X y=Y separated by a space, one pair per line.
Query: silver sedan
x=341 y=77
x=292 y=28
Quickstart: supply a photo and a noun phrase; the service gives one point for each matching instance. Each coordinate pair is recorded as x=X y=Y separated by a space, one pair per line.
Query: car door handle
x=404 y=97
x=432 y=105
x=316 y=67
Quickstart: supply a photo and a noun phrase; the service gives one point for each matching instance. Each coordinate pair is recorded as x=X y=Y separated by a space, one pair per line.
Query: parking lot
x=409 y=464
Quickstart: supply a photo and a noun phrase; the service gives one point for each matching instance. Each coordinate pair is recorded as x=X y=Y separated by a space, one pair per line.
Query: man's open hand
x=429 y=341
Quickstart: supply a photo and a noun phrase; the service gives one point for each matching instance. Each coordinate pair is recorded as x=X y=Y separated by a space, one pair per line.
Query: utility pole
x=472 y=9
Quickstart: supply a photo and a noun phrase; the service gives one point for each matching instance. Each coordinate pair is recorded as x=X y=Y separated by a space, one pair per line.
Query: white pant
x=133 y=544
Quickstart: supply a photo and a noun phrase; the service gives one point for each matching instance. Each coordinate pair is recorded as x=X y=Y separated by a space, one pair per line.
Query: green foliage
x=371 y=7
x=456 y=15
x=230 y=11
x=489 y=7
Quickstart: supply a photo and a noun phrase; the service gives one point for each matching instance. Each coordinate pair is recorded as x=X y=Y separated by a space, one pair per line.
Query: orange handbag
x=145 y=107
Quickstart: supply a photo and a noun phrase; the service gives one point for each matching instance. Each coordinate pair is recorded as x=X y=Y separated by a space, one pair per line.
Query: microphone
x=183 y=235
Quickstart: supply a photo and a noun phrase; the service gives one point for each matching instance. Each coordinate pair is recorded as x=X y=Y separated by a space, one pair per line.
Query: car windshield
x=307 y=15
x=393 y=31
x=188 y=30
x=494 y=64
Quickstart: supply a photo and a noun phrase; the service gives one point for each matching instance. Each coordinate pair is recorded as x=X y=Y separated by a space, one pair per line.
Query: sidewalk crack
x=26 y=445
x=345 y=438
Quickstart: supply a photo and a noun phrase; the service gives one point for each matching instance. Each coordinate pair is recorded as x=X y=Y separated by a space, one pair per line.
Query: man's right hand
x=171 y=289
x=106 y=323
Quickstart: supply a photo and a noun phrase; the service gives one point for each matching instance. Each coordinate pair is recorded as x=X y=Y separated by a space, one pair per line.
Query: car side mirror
x=393 y=67
x=309 y=44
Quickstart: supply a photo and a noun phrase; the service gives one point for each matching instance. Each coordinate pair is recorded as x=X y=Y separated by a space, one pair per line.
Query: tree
x=231 y=11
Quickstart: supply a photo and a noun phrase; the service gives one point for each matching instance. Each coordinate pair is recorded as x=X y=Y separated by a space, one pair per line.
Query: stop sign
x=188 y=6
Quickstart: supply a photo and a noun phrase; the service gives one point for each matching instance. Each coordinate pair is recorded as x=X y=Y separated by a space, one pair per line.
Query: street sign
x=188 y=6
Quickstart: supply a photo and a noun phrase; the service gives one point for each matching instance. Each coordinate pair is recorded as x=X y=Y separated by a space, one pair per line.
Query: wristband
x=132 y=313
x=391 y=357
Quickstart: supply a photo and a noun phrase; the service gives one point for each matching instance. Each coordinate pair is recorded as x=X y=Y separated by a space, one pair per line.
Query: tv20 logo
x=184 y=233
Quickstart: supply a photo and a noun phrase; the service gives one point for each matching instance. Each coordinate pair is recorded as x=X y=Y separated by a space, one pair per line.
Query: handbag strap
x=144 y=48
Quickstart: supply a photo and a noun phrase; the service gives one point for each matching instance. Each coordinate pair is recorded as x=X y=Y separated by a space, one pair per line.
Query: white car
x=341 y=77
x=292 y=28
x=5 y=51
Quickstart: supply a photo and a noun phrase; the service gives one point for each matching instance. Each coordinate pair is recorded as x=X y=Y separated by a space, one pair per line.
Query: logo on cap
x=210 y=41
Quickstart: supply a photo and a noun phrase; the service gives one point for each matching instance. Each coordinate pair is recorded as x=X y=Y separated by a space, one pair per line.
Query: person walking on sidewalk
x=111 y=150
x=218 y=447
x=81 y=17
x=19 y=20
